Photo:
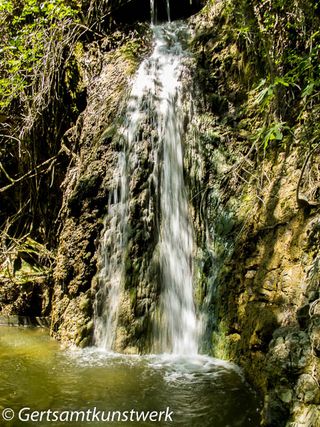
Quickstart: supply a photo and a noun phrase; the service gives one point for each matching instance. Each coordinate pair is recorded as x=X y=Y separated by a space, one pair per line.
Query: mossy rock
x=86 y=188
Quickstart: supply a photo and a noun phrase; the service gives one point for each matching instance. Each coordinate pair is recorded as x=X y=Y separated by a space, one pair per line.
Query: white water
x=178 y=331
x=155 y=98
x=113 y=245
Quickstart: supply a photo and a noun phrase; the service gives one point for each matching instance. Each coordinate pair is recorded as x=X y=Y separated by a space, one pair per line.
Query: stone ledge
x=16 y=320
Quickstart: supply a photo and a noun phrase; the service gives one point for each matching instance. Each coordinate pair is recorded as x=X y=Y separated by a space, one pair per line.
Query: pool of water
x=37 y=375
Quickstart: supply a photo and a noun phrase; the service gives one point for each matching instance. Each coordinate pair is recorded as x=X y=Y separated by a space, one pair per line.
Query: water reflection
x=200 y=391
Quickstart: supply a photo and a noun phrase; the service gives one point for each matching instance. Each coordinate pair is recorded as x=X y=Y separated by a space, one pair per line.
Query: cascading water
x=153 y=11
x=178 y=324
x=112 y=248
x=155 y=98
x=168 y=10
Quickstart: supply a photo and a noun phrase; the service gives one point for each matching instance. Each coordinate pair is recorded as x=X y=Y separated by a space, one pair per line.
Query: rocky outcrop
x=262 y=291
x=27 y=299
x=257 y=264
x=92 y=146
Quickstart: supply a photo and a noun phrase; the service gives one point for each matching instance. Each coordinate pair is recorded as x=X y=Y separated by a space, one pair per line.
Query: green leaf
x=280 y=81
x=308 y=90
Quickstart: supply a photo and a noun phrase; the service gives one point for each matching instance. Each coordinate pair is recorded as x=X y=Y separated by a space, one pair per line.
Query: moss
x=200 y=286
x=220 y=344
x=135 y=45
x=109 y=133
x=133 y=297
x=85 y=304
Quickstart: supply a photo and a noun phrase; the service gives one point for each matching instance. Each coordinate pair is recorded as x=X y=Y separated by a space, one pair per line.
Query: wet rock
x=307 y=389
x=290 y=352
x=305 y=415
x=285 y=395
x=275 y=413
x=250 y=274
x=30 y=298
x=315 y=340
x=303 y=316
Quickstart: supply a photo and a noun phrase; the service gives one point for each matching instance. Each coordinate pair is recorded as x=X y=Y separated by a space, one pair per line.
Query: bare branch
x=6 y=173
x=33 y=172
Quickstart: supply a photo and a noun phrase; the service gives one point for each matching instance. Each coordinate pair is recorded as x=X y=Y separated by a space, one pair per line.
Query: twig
x=6 y=173
x=10 y=137
x=33 y=172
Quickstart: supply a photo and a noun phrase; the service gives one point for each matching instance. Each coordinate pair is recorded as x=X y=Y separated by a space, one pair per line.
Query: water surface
x=200 y=391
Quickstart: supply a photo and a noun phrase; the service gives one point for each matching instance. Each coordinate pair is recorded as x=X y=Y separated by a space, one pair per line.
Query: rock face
x=89 y=180
x=28 y=299
x=260 y=292
x=257 y=259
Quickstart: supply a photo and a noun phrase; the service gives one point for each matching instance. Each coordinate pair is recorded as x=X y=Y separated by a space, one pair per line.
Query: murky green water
x=35 y=373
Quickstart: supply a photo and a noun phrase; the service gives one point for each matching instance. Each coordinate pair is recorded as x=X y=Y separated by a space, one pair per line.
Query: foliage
x=284 y=39
x=267 y=92
x=29 y=30
x=272 y=132
x=24 y=260
x=36 y=45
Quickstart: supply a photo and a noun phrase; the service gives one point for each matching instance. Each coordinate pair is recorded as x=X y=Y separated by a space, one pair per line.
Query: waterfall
x=168 y=11
x=156 y=99
x=113 y=245
x=153 y=11
x=178 y=324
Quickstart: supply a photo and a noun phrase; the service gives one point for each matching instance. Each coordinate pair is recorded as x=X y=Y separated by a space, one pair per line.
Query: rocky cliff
x=253 y=163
